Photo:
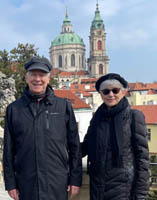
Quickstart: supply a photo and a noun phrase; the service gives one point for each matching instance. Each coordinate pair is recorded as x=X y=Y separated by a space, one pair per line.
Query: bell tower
x=98 y=61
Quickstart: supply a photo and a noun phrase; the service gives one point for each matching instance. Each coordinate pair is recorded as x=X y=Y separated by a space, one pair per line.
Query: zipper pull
x=47 y=119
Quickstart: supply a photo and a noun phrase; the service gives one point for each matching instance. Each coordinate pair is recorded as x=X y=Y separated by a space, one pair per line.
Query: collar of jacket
x=49 y=98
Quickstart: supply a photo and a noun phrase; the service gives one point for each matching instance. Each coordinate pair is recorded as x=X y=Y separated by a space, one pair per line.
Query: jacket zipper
x=47 y=119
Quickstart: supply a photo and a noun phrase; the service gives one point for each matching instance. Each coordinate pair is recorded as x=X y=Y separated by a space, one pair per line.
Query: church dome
x=67 y=38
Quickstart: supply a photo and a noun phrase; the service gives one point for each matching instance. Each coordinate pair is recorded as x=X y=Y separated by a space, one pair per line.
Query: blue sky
x=131 y=28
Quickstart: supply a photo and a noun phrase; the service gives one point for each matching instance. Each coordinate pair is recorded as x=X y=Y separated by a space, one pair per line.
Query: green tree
x=23 y=52
x=13 y=64
x=5 y=62
x=19 y=56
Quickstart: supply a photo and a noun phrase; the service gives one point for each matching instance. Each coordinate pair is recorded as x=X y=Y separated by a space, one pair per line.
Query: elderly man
x=41 y=157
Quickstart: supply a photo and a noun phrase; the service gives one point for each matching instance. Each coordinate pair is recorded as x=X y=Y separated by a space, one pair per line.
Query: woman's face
x=112 y=95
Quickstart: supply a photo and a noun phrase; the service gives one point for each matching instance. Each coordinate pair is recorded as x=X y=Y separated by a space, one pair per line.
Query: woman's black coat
x=130 y=179
x=41 y=149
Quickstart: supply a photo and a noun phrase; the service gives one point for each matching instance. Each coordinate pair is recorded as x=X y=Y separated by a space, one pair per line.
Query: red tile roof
x=67 y=74
x=142 y=86
x=83 y=87
x=150 y=112
x=88 y=80
x=55 y=71
x=77 y=103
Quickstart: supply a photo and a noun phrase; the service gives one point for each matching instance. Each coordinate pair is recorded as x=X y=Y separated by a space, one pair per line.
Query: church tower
x=98 y=60
x=67 y=50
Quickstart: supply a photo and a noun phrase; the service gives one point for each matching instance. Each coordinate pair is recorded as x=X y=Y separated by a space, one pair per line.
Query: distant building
x=150 y=113
x=83 y=112
x=142 y=94
x=98 y=61
x=87 y=92
x=67 y=50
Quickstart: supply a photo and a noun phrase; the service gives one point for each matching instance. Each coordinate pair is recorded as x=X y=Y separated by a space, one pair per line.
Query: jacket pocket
x=56 y=125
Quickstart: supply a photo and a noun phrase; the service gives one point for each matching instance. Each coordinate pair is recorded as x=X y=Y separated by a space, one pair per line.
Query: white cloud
x=130 y=24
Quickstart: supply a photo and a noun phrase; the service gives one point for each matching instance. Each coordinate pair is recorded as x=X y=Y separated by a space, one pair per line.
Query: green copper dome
x=67 y=38
x=97 y=22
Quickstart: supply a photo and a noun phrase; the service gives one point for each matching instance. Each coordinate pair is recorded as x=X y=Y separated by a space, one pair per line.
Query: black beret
x=38 y=63
x=111 y=76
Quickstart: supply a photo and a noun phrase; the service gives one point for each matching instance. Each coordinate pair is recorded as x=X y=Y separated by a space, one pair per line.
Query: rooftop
x=149 y=111
x=77 y=103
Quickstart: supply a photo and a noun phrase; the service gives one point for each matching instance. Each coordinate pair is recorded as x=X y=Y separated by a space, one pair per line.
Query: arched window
x=60 y=61
x=72 y=60
x=67 y=83
x=100 y=69
x=99 y=45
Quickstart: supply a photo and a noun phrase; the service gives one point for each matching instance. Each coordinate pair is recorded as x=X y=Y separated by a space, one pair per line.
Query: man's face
x=37 y=81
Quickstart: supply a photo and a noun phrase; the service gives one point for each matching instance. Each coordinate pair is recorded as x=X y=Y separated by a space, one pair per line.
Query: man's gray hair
x=47 y=74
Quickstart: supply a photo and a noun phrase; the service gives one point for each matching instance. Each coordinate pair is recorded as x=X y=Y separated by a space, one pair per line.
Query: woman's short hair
x=110 y=82
x=110 y=76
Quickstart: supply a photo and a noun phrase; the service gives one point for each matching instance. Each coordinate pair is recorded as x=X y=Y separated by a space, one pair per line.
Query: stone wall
x=1 y=139
x=7 y=91
x=7 y=95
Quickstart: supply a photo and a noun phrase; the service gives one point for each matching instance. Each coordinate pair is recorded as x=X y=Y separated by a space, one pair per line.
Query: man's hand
x=74 y=190
x=13 y=194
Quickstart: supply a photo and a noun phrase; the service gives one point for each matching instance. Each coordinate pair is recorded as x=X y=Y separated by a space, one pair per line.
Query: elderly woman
x=116 y=145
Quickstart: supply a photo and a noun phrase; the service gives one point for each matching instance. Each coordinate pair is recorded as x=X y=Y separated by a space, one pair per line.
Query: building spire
x=66 y=14
x=97 y=8
x=67 y=26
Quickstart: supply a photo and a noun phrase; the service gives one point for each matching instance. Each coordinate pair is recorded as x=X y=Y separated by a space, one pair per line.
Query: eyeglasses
x=114 y=91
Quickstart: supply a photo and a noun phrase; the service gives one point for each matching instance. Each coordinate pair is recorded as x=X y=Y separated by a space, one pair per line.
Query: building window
x=100 y=69
x=99 y=45
x=67 y=83
x=73 y=60
x=60 y=61
x=151 y=102
x=154 y=180
x=149 y=134
x=99 y=32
